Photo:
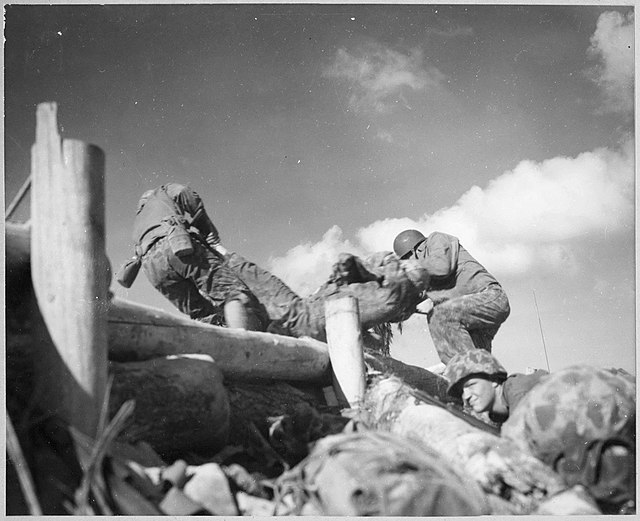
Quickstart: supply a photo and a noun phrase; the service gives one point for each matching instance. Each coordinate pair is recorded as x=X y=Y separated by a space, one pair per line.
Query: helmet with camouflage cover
x=578 y=404
x=474 y=362
x=561 y=419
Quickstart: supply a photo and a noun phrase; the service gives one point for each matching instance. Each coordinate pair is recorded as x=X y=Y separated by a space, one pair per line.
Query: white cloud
x=528 y=217
x=379 y=77
x=307 y=266
x=524 y=219
x=612 y=45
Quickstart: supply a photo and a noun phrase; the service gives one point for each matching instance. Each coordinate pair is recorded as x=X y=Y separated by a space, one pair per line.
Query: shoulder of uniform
x=441 y=236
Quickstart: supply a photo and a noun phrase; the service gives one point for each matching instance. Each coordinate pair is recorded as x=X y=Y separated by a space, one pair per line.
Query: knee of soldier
x=241 y=298
x=506 y=307
x=445 y=315
x=252 y=308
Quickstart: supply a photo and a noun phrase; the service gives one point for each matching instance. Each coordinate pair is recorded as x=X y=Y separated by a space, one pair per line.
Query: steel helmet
x=469 y=363
x=406 y=241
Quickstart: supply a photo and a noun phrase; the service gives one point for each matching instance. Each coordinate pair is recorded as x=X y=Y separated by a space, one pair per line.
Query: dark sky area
x=311 y=129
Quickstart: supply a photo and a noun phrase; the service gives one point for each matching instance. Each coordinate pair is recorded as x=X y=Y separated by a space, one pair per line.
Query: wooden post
x=69 y=270
x=344 y=338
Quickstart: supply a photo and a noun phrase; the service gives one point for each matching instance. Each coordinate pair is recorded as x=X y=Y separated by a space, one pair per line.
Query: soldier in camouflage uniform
x=466 y=305
x=387 y=290
x=481 y=381
x=174 y=239
x=581 y=422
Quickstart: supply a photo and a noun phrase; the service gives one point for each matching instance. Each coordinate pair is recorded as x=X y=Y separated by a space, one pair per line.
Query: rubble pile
x=286 y=452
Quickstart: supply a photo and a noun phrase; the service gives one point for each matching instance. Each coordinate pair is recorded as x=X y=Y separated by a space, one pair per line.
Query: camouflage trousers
x=293 y=315
x=199 y=285
x=467 y=322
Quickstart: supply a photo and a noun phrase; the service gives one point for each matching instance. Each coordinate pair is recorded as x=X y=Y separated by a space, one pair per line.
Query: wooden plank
x=69 y=270
x=344 y=338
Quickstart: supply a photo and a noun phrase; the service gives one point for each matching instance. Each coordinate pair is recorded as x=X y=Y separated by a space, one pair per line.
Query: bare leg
x=237 y=316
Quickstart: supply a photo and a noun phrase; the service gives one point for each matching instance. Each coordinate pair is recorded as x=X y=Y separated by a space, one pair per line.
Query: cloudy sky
x=315 y=129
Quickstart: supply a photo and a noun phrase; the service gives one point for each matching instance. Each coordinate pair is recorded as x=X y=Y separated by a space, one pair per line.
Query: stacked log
x=137 y=333
x=69 y=270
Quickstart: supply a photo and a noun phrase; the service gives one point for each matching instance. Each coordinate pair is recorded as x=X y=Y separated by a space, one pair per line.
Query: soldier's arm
x=441 y=258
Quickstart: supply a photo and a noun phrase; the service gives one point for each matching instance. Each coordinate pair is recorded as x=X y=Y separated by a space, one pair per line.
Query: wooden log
x=414 y=376
x=69 y=270
x=515 y=482
x=344 y=338
x=181 y=403
x=138 y=332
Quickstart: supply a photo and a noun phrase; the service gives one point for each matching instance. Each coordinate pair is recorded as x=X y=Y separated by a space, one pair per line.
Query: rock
x=209 y=486
x=254 y=506
x=177 y=503
x=570 y=502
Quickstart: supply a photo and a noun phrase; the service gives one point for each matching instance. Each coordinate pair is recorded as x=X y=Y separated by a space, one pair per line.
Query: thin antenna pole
x=16 y=200
x=544 y=345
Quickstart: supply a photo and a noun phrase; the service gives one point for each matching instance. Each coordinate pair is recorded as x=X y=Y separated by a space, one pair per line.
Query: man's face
x=479 y=394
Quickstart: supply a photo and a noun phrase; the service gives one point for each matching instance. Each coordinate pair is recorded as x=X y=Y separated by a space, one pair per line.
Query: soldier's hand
x=213 y=239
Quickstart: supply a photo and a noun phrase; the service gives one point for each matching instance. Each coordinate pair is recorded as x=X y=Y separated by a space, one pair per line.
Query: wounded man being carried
x=179 y=250
x=387 y=290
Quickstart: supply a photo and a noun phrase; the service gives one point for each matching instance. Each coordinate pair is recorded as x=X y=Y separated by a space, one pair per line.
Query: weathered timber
x=344 y=338
x=69 y=270
x=514 y=482
x=181 y=403
x=417 y=377
x=138 y=332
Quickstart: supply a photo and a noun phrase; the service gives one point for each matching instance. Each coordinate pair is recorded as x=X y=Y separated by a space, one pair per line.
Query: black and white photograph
x=320 y=259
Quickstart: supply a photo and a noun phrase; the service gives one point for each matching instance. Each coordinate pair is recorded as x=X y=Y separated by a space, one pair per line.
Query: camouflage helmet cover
x=573 y=406
x=471 y=363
